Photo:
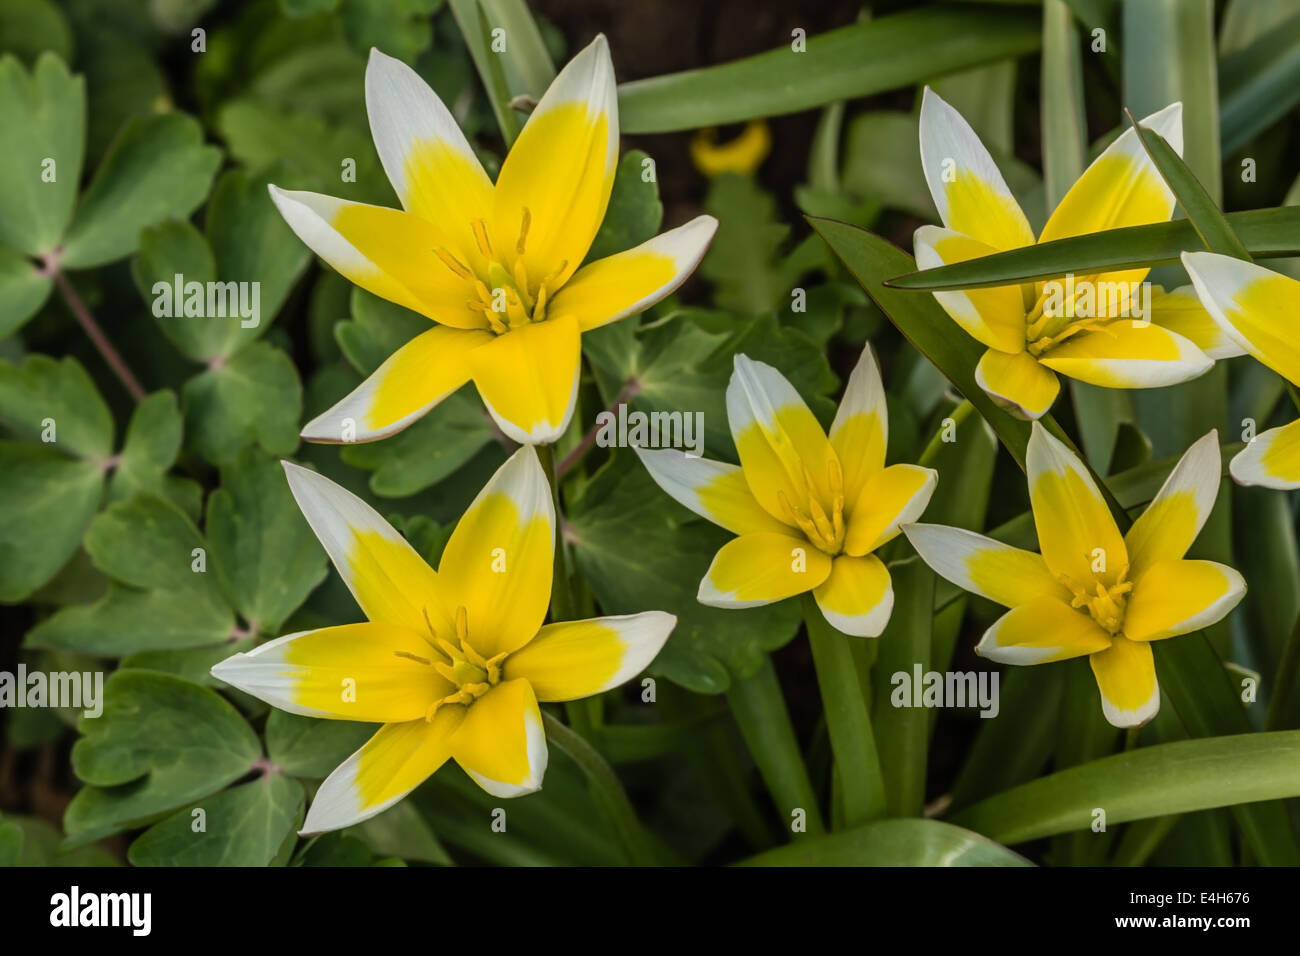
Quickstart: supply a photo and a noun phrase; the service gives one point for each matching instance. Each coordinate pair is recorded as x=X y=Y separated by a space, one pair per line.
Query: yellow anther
x=481 y=237
x=523 y=231
x=454 y=264
x=412 y=657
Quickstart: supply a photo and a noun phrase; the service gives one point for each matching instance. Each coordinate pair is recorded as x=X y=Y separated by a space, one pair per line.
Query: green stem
x=847 y=719
x=760 y=711
x=1287 y=669
x=583 y=714
x=607 y=790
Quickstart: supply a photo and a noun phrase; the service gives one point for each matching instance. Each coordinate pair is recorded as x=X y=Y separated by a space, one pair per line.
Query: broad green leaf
x=1151 y=781
x=251 y=242
x=893 y=843
x=1061 y=110
x=335 y=158
x=254 y=398
x=1266 y=233
x=378 y=328
x=1204 y=215
x=1259 y=85
x=167 y=250
x=635 y=213
x=156 y=169
x=472 y=19
x=47 y=501
x=400 y=831
x=11 y=843
x=161 y=743
x=401 y=28
x=123 y=80
x=23 y=290
x=31 y=27
x=880 y=54
x=165 y=593
x=428 y=451
x=743 y=258
x=42 y=846
x=43 y=114
x=153 y=440
x=312 y=748
x=194 y=664
x=55 y=401
x=262 y=548
x=528 y=66
x=663 y=572
x=243 y=826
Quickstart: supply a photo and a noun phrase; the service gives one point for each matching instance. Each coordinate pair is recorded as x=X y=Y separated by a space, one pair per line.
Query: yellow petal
x=630 y=282
x=1177 y=597
x=392 y=584
x=498 y=561
x=528 y=379
x=995 y=316
x=1180 y=311
x=501 y=744
x=385 y=251
x=1045 y=629
x=1017 y=382
x=712 y=489
x=897 y=495
x=574 y=659
x=431 y=165
x=1122 y=187
x=1126 y=677
x=860 y=431
x=561 y=169
x=780 y=442
x=1179 y=510
x=377 y=672
x=858 y=596
x=968 y=190
x=413 y=380
x=392 y=763
x=1256 y=308
x=1009 y=576
x=1272 y=460
x=1128 y=353
x=1076 y=532
x=760 y=568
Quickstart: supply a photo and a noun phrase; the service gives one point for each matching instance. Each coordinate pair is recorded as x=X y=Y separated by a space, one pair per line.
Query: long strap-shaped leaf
x=1266 y=234
x=893 y=843
x=1155 y=781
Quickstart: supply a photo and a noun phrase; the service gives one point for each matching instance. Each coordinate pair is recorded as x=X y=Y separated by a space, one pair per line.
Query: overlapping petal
x=857 y=597
x=760 y=568
x=1006 y=575
x=528 y=379
x=860 y=432
x=995 y=316
x=891 y=497
x=1271 y=459
x=1017 y=382
x=1041 y=630
x=501 y=743
x=1128 y=353
x=712 y=489
x=573 y=659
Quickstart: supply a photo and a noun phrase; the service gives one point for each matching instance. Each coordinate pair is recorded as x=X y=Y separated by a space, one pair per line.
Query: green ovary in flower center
x=1104 y=603
x=1045 y=330
x=824 y=528
x=506 y=295
x=472 y=674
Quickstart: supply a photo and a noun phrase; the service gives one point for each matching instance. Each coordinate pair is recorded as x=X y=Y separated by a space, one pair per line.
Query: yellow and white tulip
x=1257 y=309
x=808 y=509
x=1030 y=342
x=452 y=663
x=497 y=267
x=1093 y=591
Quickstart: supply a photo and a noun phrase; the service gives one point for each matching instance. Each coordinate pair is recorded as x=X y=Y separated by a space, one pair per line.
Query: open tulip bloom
x=809 y=510
x=1035 y=331
x=497 y=267
x=1092 y=590
x=452 y=663
x=1257 y=309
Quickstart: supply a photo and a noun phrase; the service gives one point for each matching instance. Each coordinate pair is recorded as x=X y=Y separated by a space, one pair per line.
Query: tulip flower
x=1093 y=591
x=498 y=268
x=1085 y=327
x=452 y=663
x=808 y=509
x=1257 y=309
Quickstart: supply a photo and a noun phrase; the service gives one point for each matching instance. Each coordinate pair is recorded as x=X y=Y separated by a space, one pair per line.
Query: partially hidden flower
x=1083 y=327
x=1093 y=591
x=741 y=155
x=451 y=663
x=1257 y=309
x=809 y=509
x=497 y=267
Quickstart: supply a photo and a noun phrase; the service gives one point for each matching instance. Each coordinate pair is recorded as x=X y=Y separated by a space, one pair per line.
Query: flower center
x=825 y=531
x=1105 y=604
x=1044 y=329
x=505 y=294
x=470 y=672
